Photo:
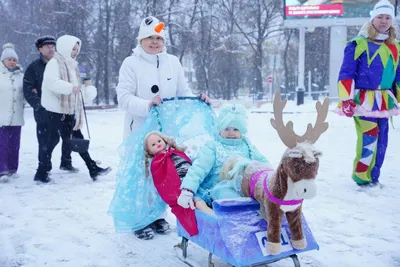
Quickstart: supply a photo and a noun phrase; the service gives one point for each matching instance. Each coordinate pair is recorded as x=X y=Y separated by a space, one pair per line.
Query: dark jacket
x=33 y=79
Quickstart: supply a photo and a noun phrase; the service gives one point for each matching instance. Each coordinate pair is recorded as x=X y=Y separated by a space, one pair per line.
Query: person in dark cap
x=32 y=86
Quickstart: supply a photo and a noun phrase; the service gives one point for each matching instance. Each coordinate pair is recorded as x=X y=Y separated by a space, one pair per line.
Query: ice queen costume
x=136 y=202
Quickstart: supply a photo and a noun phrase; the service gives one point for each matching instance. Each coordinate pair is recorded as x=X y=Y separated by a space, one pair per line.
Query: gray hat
x=8 y=52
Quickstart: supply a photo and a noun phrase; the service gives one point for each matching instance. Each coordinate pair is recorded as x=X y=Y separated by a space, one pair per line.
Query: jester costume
x=371 y=78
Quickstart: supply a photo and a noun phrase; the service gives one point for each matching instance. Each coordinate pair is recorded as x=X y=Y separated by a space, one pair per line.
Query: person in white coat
x=62 y=96
x=145 y=78
x=11 y=112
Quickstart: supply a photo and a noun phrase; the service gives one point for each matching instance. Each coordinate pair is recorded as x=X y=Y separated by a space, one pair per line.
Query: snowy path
x=65 y=223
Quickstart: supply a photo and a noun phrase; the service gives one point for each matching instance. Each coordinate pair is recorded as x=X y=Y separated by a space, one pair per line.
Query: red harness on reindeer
x=167 y=183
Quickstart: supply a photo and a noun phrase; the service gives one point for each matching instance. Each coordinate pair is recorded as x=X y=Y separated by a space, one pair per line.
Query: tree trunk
x=107 y=52
x=285 y=56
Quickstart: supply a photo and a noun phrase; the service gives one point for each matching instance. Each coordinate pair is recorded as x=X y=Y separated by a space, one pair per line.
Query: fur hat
x=8 y=52
x=232 y=116
x=151 y=26
x=381 y=8
x=44 y=40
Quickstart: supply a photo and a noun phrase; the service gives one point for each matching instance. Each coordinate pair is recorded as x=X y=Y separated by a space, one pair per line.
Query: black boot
x=160 y=226
x=96 y=171
x=42 y=176
x=145 y=233
x=68 y=167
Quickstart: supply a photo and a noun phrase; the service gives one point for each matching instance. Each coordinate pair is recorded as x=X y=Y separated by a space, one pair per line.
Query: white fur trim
x=304 y=149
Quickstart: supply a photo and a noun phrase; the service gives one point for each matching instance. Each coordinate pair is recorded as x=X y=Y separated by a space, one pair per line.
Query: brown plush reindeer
x=282 y=191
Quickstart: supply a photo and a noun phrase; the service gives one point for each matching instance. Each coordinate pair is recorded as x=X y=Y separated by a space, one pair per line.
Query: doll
x=168 y=166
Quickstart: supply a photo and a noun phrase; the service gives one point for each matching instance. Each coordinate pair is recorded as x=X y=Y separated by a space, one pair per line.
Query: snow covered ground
x=66 y=223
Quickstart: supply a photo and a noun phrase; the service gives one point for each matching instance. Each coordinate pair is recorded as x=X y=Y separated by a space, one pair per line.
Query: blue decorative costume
x=204 y=173
x=136 y=202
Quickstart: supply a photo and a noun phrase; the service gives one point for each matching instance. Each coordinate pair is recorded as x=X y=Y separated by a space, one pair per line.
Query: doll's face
x=231 y=133
x=155 y=144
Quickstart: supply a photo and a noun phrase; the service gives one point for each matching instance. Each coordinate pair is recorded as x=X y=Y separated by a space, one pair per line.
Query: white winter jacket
x=11 y=97
x=138 y=74
x=54 y=86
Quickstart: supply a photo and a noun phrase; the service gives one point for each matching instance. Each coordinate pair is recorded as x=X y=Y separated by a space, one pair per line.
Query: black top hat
x=44 y=40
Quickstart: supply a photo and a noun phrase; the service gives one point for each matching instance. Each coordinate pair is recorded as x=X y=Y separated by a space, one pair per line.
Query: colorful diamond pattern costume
x=371 y=78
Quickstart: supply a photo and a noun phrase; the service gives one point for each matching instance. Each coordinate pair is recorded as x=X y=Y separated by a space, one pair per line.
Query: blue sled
x=237 y=235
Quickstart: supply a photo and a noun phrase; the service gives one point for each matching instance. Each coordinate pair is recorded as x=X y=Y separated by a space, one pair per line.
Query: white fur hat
x=383 y=7
x=8 y=52
x=151 y=26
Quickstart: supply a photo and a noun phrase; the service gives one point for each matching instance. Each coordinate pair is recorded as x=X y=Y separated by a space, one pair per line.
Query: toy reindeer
x=281 y=192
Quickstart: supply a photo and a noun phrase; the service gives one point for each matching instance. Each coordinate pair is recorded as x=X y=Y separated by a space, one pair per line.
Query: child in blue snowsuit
x=204 y=174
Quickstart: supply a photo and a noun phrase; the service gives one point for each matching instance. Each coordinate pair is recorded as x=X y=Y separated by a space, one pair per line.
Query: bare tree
x=289 y=71
x=181 y=18
x=256 y=20
x=225 y=39
x=202 y=50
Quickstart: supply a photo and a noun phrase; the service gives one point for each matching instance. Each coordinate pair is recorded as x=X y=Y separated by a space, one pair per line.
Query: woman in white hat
x=11 y=112
x=369 y=90
x=149 y=75
x=145 y=78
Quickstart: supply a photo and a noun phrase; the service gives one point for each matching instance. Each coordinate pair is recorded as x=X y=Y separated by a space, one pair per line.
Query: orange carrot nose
x=159 y=27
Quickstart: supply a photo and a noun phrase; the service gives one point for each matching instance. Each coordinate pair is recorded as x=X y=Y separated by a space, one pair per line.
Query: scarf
x=364 y=32
x=72 y=103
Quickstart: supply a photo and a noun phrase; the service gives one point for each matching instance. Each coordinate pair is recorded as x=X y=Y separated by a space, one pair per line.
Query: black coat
x=33 y=79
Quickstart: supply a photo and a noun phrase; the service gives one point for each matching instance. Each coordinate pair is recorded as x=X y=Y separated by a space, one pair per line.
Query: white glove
x=185 y=199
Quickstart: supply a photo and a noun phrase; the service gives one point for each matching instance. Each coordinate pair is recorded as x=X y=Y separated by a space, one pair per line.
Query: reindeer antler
x=286 y=132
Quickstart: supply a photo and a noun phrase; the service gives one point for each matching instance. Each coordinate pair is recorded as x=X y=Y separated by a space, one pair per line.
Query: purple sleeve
x=397 y=78
x=349 y=65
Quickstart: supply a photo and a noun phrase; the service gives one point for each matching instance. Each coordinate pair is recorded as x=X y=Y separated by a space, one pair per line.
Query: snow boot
x=146 y=233
x=13 y=175
x=96 y=171
x=4 y=178
x=41 y=176
x=161 y=226
x=68 y=167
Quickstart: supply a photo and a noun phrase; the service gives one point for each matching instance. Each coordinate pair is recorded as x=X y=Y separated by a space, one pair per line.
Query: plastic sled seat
x=237 y=235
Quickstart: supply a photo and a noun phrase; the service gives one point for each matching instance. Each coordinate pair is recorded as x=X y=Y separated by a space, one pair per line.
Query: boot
x=96 y=171
x=68 y=167
x=146 y=233
x=4 y=178
x=13 y=175
x=41 y=176
x=160 y=226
